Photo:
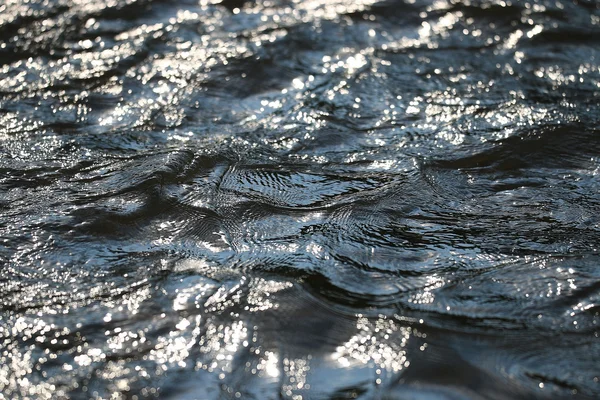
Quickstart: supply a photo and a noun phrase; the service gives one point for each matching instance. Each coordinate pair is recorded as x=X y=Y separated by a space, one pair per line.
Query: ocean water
x=305 y=199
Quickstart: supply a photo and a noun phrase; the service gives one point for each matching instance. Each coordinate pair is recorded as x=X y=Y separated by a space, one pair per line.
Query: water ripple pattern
x=300 y=199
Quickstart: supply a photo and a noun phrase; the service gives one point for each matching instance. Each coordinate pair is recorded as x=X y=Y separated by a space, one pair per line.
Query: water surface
x=307 y=199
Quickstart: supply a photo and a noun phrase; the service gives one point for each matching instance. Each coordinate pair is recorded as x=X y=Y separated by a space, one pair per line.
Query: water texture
x=306 y=199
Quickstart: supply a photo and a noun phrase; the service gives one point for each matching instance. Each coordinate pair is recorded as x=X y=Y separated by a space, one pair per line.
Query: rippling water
x=306 y=199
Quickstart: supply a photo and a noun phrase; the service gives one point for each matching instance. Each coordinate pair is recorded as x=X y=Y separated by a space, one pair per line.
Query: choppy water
x=307 y=199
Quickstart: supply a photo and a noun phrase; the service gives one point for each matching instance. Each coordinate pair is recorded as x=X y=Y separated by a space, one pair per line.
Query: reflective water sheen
x=299 y=199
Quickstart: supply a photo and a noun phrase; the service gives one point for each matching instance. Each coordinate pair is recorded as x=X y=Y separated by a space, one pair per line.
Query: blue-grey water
x=299 y=199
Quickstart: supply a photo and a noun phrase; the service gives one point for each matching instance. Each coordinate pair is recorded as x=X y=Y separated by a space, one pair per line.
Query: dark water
x=307 y=199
